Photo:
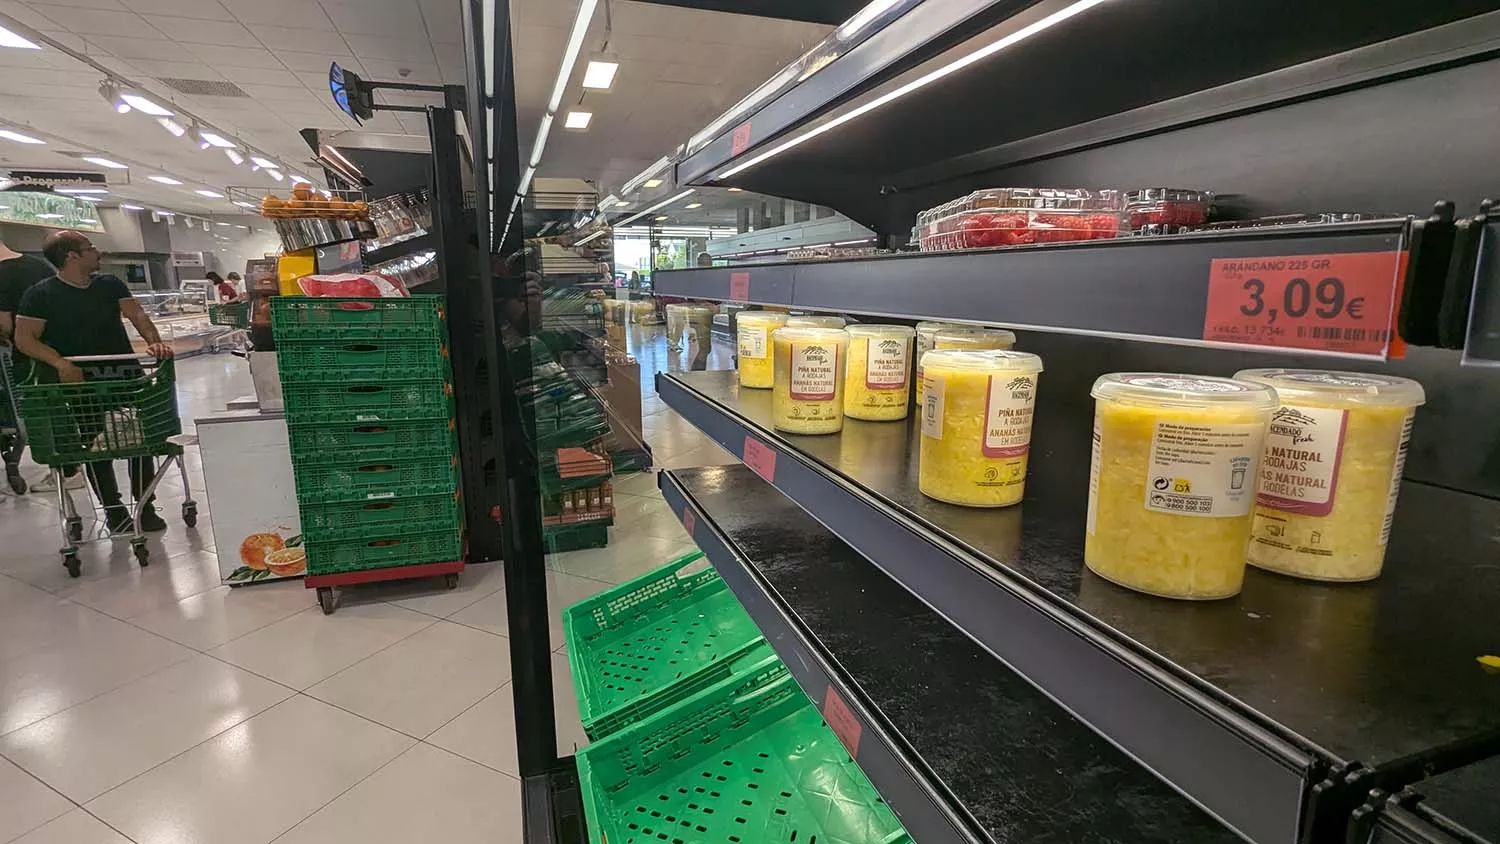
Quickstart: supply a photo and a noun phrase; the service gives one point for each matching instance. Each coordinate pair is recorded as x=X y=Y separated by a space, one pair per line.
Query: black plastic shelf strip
x=407 y=246
x=1397 y=825
x=962 y=748
x=1137 y=287
x=1240 y=704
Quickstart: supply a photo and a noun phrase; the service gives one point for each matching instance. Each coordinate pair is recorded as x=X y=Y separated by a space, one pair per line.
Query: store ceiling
x=679 y=68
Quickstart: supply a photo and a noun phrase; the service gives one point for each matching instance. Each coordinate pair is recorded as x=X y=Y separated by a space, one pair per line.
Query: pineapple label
x=1299 y=472
x=1008 y=412
x=886 y=364
x=814 y=379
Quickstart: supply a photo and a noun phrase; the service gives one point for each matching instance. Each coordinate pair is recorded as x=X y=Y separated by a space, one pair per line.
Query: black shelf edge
x=962 y=748
x=1243 y=714
x=422 y=242
x=552 y=806
x=1153 y=288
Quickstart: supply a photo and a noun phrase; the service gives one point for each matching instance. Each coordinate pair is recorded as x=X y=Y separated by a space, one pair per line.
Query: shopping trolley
x=12 y=434
x=107 y=418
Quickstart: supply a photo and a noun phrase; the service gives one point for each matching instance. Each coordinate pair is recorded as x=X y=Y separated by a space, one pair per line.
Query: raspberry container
x=1157 y=210
x=1021 y=216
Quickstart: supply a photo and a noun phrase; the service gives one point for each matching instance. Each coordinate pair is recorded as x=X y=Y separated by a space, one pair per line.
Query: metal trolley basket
x=12 y=434
x=107 y=419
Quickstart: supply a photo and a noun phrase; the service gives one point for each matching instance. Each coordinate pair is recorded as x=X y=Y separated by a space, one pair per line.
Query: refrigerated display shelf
x=1245 y=705
x=1131 y=287
x=960 y=746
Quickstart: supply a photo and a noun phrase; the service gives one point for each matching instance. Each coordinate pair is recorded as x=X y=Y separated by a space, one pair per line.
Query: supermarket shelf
x=1243 y=705
x=1134 y=287
x=396 y=248
x=962 y=748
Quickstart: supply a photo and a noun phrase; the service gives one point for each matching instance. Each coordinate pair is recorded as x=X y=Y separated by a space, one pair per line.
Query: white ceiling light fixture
x=110 y=91
x=655 y=208
x=105 y=162
x=736 y=190
x=661 y=217
x=303 y=179
x=124 y=207
x=19 y=138
x=80 y=191
x=594 y=236
x=264 y=162
x=243 y=204
x=862 y=18
x=578 y=120
x=570 y=53
x=90 y=198
x=211 y=194
x=541 y=141
x=646 y=175
x=165 y=180
x=223 y=224
x=275 y=174
x=652 y=183
x=11 y=39
x=208 y=139
x=234 y=157
x=599 y=74
x=177 y=129
x=920 y=82
x=691 y=205
x=145 y=105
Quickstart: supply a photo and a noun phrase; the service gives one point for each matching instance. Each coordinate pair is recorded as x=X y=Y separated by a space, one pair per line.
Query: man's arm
x=29 y=342
x=7 y=326
x=132 y=310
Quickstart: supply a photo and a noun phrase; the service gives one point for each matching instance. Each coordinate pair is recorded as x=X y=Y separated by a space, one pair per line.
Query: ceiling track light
x=234 y=157
x=177 y=129
x=109 y=89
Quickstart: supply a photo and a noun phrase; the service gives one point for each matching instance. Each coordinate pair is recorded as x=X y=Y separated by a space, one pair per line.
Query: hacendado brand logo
x=891 y=347
x=815 y=354
x=1021 y=387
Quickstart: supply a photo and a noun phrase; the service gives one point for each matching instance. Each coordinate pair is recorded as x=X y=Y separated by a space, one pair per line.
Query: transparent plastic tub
x=964 y=337
x=754 y=340
x=1167 y=209
x=878 y=372
x=814 y=321
x=976 y=425
x=808 y=396
x=1331 y=471
x=1022 y=216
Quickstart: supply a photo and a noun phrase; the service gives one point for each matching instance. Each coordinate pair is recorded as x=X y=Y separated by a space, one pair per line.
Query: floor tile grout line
x=43 y=783
x=282 y=834
x=110 y=690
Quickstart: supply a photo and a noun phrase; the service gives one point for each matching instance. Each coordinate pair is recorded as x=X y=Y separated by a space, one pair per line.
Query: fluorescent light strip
x=141 y=104
x=105 y=162
x=234 y=157
x=216 y=140
x=166 y=180
x=11 y=39
x=210 y=194
x=177 y=129
x=243 y=204
x=132 y=208
x=19 y=138
x=923 y=81
x=264 y=162
x=593 y=236
x=862 y=18
x=525 y=182
x=653 y=209
x=570 y=54
x=275 y=174
x=541 y=140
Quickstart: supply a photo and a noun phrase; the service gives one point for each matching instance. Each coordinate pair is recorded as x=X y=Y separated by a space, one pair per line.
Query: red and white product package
x=348 y=285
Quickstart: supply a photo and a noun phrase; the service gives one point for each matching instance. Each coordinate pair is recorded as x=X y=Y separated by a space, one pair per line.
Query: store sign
x=48 y=209
x=1344 y=303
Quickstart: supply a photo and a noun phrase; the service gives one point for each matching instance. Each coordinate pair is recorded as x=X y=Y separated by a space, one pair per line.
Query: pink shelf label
x=739 y=286
x=740 y=140
x=842 y=721
x=760 y=458
x=688 y=521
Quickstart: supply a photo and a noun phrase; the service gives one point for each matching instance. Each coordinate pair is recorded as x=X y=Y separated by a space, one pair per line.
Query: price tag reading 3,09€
x=1336 y=303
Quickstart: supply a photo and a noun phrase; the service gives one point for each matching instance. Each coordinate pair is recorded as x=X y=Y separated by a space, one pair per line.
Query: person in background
x=224 y=289
x=78 y=312
x=237 y=285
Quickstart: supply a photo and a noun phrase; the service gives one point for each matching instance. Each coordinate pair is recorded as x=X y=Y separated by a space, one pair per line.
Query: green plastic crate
x=575 y=537
x=405 y=549
x=348 y=520
x=342 y=442
x=747 y=760
x=367 y=402
x=654 y=641
x=358 y=361
x=107 y=419
x=379 y=480
x=231 y=314
x=300 y=318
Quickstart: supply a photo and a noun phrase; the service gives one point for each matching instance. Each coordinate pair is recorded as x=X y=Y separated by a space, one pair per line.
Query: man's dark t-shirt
x=80 y=320
x=17 y=275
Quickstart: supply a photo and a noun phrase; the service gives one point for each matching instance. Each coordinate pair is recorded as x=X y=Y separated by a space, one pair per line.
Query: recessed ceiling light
x=693 y=205
x=275 y=174
x=599 y=75
x=213 y=139
x=210 y=194
x=177 y=129
x=19 y=138
x=81 y=190
x=10 y=39
x=578 y=120
x=145 y=106
x=166 y=180
x=652 y=183
x=263 y=162
x=234 y=157
x=243 y=204
x=662 y=217
x=105 y=162
x=132 y=208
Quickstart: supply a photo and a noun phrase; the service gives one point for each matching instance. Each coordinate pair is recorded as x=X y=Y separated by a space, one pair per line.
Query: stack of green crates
x=369 y=410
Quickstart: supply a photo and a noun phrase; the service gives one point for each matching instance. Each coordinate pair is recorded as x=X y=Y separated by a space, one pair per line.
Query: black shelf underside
x=1354 y=672
x=1020 y=765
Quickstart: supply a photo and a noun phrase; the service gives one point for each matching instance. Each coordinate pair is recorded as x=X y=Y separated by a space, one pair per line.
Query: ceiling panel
x=98 y=22
x=387 y=18
x=279 y=38
x=394 y=49
x=196 y=31
x=208 y=9
x=299 y=13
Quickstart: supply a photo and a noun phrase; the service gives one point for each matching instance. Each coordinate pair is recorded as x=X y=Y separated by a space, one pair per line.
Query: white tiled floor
x=157 y=706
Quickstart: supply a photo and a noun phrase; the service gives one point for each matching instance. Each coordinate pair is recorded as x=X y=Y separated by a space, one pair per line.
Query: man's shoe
x=119 y=519
x=151 y=522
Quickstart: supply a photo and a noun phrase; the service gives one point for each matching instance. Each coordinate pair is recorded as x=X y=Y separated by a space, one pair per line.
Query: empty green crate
x=231 y=314
x=361 y=361
x=300 y=318
x=348 y=520
x=575 y=537
x=367 y=402
x=376 y=480
x=749 y=759
x=656 y=640
x=342 y=442
x=408 y=549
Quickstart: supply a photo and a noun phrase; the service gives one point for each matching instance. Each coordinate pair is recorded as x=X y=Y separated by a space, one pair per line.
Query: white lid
x=977 y=338
x=927 y=328
x=761 y=317
x=865 y=329
x=1346 y=387
x=809 y=334
x=981 y=360
x=1166 y=388
x=815 y=321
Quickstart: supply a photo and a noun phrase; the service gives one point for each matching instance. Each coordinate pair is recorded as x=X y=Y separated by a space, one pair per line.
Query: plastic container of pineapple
x=753 y=333
x=965 y=337
x=1331 y=471
x=976 y=425
x=808 y=395
x=877 y=375
x=1172 y=481
x=926 y=330
x=814 y=321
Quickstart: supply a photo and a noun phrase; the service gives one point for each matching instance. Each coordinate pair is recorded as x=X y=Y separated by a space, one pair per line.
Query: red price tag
x=842 y=721
x=760 y=458
x=740 y=140
x=739 y=286
x=1336 y=303
x=688 y=521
